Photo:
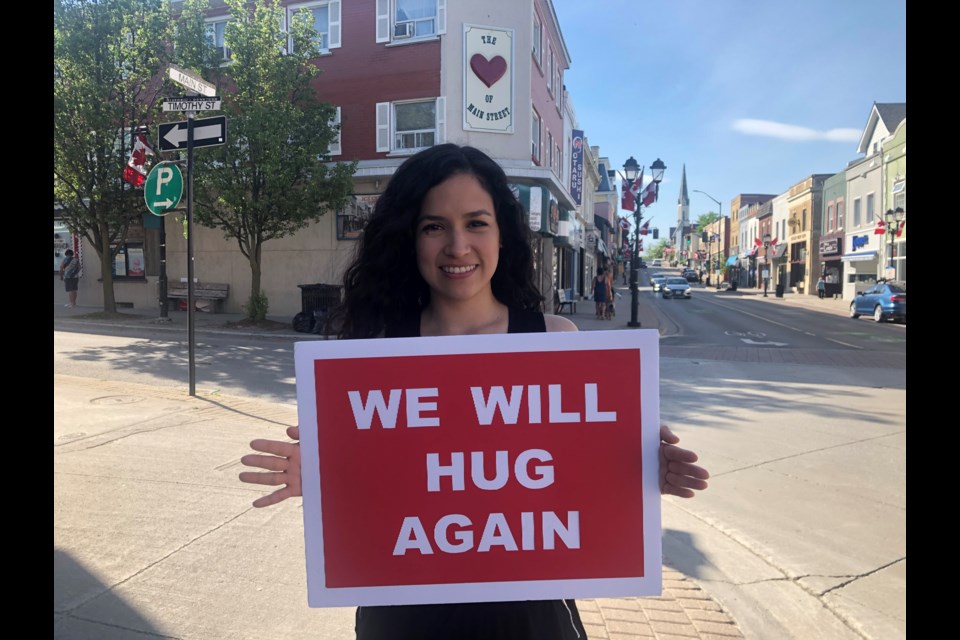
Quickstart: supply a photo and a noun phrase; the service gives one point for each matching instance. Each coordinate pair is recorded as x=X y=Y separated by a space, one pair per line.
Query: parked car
x=656 y=262
x=643 y=265
x=691 y=275
x=884 y=300
x=675 y=287
x=656 y=281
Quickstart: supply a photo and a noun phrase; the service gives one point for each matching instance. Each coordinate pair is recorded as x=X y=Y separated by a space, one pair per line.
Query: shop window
x=352 y=219
x=62 y=240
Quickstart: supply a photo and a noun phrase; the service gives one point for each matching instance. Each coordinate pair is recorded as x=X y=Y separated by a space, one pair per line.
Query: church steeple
x=683 y=201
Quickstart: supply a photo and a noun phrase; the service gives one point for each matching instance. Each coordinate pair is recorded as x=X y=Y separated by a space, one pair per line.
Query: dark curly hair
x=383 y=285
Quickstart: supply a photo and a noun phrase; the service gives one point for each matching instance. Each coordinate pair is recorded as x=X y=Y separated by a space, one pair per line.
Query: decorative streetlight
x=720 y=213
x=766 y=262
x=631 y=171
x=893 y=218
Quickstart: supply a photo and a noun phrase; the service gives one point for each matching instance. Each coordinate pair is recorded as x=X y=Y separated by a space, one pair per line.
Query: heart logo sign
x=489 y=71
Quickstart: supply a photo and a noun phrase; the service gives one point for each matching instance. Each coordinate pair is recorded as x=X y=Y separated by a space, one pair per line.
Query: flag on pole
x=635 y=189
x=626 y=198
x=900 y=228
x=645 y=229
x=649 y=194
x=136 y=171
x=881 y=228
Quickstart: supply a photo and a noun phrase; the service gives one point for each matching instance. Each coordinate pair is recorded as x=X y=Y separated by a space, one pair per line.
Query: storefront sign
x=487 y=79
x=830 y=246
x=859 y=242
x=576 y=166
x=480 y=468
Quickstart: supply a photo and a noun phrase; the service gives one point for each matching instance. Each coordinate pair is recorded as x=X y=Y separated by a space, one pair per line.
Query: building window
x=325 y=19
x=402 y=20
x=215 y=32
x=410 y=126
x=900 y=195
x=414 y=125
x=803 y=221
x=869 y=208
x=352 y=219
x=900 y=261
x=549 y=71
x=549 y=149
x=535 y=137
x=839 y=215
x=856 y=213
x=537 y=38
x=558 y=159
x=335 y=147
x=829 y=217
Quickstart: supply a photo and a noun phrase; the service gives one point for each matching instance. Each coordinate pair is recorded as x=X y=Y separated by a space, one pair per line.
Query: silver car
x=674 y=287
x=657 y=281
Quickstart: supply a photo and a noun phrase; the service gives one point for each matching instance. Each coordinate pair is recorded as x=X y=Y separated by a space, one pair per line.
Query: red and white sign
x=480 y=468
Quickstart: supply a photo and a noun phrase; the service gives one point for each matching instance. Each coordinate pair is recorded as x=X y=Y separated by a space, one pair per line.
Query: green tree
x=273 y=177
x=705 y=220
x=656 y=251
x=106 y=58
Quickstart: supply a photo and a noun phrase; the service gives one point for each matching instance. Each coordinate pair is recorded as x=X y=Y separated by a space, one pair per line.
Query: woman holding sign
x=446 y=253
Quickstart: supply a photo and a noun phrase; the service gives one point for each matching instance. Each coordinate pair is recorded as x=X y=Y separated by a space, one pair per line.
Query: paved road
x=802 y=534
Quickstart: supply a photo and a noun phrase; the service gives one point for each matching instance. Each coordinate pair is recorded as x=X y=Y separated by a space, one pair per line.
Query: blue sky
x=752 y=95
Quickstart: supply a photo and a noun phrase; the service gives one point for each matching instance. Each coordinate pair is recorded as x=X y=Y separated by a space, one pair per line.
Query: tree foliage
x=705 y=220
x=273 y=177
x=656 y=251
x=106 y=58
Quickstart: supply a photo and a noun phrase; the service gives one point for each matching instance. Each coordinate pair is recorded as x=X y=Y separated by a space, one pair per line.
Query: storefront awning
x=857 y=257
x=779 y=250
x=732 y=260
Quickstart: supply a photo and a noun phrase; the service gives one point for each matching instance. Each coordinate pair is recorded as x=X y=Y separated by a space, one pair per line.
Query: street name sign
x=192 y=103
x=191 y=81
x=207 y=132
x=163 y=189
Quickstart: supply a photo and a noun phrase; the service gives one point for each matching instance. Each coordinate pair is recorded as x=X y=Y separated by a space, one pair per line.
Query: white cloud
x=783 y=131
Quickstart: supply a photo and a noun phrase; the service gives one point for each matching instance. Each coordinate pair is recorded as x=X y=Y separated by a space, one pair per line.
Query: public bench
x=213 y=293
x=565 y=298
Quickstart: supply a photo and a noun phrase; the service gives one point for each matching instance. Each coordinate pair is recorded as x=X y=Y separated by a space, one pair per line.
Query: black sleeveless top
x=526 y=620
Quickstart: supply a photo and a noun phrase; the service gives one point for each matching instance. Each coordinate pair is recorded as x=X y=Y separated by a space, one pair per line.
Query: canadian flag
x=626 y=199
x=136 y=172
x=901 y=227
x=881 y=228
x=645 y=229
x=649 y=195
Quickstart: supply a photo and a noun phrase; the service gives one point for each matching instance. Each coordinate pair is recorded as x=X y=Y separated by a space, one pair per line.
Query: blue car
x=883 y=301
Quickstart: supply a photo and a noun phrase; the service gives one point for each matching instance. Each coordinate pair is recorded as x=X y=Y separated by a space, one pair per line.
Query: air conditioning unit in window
x=404 y=30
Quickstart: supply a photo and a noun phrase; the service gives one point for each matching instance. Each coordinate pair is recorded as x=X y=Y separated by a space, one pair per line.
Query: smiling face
x=458 y=240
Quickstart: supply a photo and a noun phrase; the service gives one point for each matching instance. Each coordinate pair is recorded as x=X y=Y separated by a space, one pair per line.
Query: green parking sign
x=163 y=188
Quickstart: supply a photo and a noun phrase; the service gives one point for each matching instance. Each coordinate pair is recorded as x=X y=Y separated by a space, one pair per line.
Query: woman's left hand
x=678 y=475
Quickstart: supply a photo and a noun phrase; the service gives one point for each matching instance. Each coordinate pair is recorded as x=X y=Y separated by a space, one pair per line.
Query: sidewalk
x=137 y=547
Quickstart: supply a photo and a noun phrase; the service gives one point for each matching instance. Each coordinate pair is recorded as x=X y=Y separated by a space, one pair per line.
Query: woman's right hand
x=282 y=465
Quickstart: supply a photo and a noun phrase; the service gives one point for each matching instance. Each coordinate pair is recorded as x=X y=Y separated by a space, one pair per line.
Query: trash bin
x=316 y=302
x=779 y=290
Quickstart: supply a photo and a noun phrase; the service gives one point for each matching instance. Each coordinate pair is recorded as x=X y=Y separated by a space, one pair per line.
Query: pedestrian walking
x=821 y=287
x=600 y=294
x=70 y=275
x=446 y=252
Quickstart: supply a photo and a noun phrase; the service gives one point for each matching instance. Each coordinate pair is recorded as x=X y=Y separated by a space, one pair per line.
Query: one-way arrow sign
x=207 y=132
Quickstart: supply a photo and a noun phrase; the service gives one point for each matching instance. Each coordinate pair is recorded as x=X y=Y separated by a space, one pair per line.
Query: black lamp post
x=893 y=218
x=631 y=170
x=719 y=213
x=766 y=262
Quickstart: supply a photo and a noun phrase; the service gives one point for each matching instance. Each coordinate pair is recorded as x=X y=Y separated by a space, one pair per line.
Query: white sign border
x=650 y=584
x=511 y=33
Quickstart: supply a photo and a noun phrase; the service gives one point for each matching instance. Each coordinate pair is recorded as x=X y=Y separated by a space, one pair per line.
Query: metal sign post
x=212 y=131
